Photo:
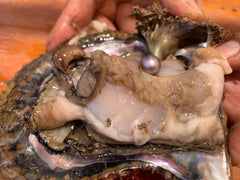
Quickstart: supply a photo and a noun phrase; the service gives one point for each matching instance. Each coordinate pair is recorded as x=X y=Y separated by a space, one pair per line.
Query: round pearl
x=150 y=64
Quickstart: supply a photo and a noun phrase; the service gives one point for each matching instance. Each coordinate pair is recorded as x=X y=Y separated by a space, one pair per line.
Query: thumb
x=76 y=15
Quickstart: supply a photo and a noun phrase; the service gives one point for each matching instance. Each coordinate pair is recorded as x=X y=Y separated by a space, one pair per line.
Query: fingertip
x=105 y=20
x=129 y=25
x=57 y=37
x=184 y=8
x=231 y=99
x=124 y=21
x=231 y=50
x=59 y=34
x=234 y=144
x=76 y=15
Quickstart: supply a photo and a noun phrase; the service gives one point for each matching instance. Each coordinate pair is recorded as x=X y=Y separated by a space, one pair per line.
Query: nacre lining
x=185 y=164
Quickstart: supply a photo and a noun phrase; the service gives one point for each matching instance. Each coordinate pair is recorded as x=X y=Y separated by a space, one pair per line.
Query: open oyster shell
x=89 y=110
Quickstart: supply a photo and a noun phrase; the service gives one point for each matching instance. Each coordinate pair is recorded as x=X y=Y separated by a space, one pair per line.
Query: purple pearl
x=150 y=64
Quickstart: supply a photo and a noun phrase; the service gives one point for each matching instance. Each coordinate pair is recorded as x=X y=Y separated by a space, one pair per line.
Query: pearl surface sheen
x=150 y=64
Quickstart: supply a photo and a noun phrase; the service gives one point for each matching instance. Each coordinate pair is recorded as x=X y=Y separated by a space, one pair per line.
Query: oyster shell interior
x=94 y=112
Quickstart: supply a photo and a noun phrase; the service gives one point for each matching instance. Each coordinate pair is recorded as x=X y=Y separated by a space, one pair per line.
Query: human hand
x=116 y=14
x=231 y=102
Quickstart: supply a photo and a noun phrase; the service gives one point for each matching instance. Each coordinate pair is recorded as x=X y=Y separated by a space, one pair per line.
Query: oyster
x=92 y=110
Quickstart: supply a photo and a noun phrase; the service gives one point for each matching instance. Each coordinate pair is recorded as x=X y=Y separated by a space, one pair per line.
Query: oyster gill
x=171 y=112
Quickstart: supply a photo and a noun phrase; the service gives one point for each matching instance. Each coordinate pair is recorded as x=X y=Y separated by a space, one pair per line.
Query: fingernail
x=229 y=48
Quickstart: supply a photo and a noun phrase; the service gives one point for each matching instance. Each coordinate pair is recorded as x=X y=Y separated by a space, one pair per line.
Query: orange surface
x=25 y=25
x=225 y=13
x=24 y=28
x=17 y=49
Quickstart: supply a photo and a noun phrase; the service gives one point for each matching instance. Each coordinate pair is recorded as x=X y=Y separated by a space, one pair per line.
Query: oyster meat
x=96 y=108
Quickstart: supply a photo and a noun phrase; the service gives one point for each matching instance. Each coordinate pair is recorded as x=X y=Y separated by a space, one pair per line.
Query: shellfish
x=92 y=110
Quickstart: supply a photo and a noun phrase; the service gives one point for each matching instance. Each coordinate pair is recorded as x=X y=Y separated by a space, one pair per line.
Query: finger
x=105 y=20
x=234 y=144
x=108 y=9
x=124 y=21
x=184 y=8
x=231 y=50
x=232 y=97
x=76 y=15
